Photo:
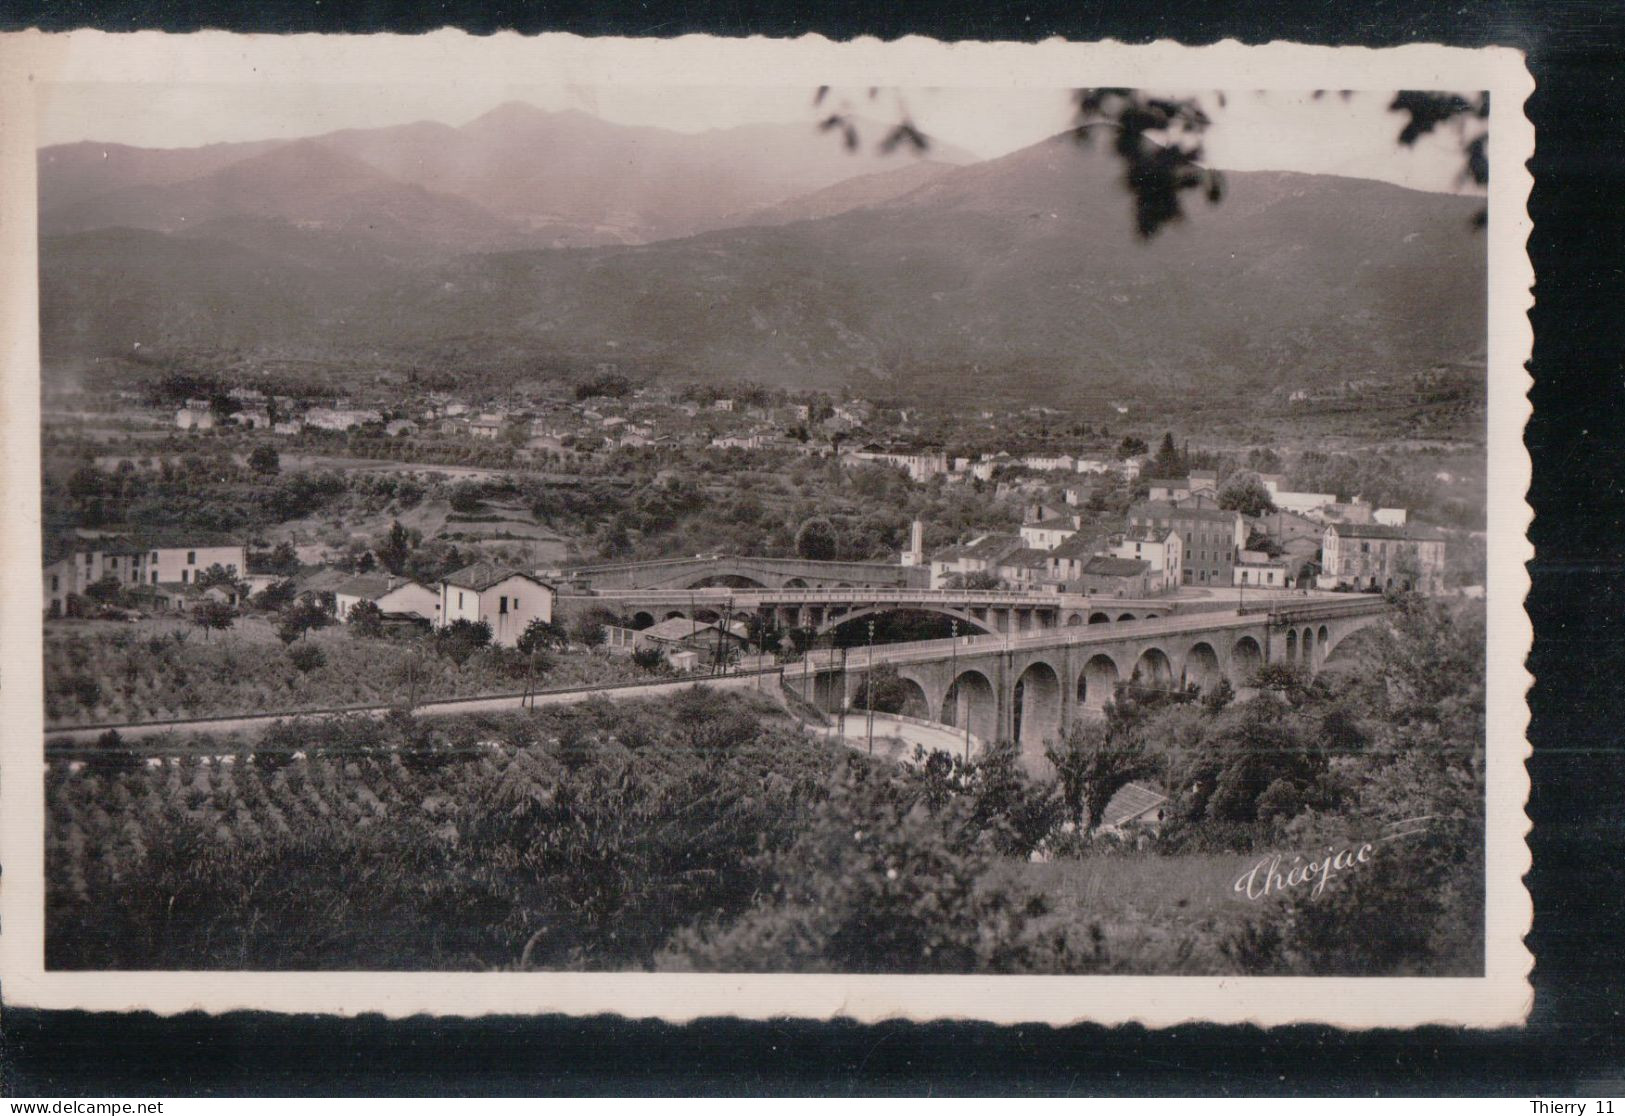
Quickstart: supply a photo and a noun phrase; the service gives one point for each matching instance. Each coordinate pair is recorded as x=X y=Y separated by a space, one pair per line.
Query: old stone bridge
x=1028 y=686
x=995 y=612
x=740 y=572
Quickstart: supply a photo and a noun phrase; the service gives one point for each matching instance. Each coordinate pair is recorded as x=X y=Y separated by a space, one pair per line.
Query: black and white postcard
x=764 y=528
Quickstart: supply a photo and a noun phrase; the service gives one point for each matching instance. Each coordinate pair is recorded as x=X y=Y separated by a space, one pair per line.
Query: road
x=895 y=739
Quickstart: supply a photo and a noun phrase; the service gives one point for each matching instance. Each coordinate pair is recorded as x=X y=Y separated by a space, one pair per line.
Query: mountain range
x=766 y=252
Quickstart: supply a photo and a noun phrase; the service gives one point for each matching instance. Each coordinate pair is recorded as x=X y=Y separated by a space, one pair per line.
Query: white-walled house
x=137 y=562
x=506 y=599
x=394 y=596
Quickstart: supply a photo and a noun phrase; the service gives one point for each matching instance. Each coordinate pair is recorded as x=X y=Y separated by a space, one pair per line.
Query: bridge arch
x=795 y=583
x=1245 y=659
x=1036 y=707
x=1202 y=666
x=1291 y=646
x=833 y=619
x=1306 y=648
x=1125 y=616
x=1097 y=682
x=1153 y=670
x=641 y=620
x=1323 y=644
x=1074 y=619
x=1340 y=632
x=971 y=701
x=1099 y=618
x=720 y=580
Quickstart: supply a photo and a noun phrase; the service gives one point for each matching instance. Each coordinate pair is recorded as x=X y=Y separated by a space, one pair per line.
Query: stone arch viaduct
x=1028 y=687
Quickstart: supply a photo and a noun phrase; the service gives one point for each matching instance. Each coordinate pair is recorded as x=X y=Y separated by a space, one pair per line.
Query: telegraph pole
x=953 y=671
x=869 y=688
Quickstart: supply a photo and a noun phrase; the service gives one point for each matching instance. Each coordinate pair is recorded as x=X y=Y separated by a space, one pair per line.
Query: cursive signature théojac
x=1267 y=878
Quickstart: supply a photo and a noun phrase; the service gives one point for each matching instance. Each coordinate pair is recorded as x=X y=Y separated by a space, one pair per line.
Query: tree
x=1258 y=540
x=982 y=581
x=540 y=635
x=461 y=638
x=104 y=590
x=1168 y=462
x=365 y=619
x=213 y=615
x=224 y=578
x=1131 y=447
x=284 y=558
x=111 y=756
x=817 y=540
x=396 y=548
x=265 y=461
x=306 y=658
x=275 y=596
x=300 y=618
x=1245 y=493
x=589 y=629
x=1093 y=762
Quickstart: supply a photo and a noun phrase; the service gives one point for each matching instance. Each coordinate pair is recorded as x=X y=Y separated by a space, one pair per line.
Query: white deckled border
x=30 y=60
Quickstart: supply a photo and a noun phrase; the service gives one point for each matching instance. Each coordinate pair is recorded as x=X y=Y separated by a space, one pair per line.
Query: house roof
x=366 y=587
x=1053 y=523
x=993 y=547
x=1025 y=556
x=1410 y=532
x=1147 y=533
x=1162 y=509
x=676 y=629
x=1133 y=801
x=1104 y=566
x=482 y=575
x=157 y=538
x=1080 y=545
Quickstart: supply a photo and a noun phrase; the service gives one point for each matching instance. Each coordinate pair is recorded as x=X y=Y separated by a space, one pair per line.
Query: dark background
x=1572 y=1046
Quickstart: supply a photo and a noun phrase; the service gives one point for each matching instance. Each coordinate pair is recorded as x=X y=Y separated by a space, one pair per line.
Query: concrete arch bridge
x=1027 y=687
x=741 y=573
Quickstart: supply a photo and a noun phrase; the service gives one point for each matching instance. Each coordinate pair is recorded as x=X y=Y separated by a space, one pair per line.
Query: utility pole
x=869 y=688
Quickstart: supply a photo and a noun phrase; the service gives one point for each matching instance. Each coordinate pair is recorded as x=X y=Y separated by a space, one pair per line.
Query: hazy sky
x=1255 y=131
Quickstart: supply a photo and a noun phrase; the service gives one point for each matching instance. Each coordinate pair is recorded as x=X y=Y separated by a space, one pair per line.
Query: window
x=459 y=600
x=191 y=557
x=185 y=576
x=502 y=606
x=155 y=577
x=55 y=583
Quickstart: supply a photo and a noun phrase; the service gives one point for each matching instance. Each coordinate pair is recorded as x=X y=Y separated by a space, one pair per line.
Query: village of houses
x=1178 y=539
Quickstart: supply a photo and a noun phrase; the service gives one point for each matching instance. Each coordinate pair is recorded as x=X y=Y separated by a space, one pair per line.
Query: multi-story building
x=1158 y=546
x=1377 y=556
x=1209 y=538
x=981 y=555
x=1048 y=533
x=920 y=464
x=137 y=562
x=1106 y=575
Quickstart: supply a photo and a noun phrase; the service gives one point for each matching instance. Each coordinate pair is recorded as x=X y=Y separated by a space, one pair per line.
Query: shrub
x=306 y=657
x=876 y=883
x=110 y=755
